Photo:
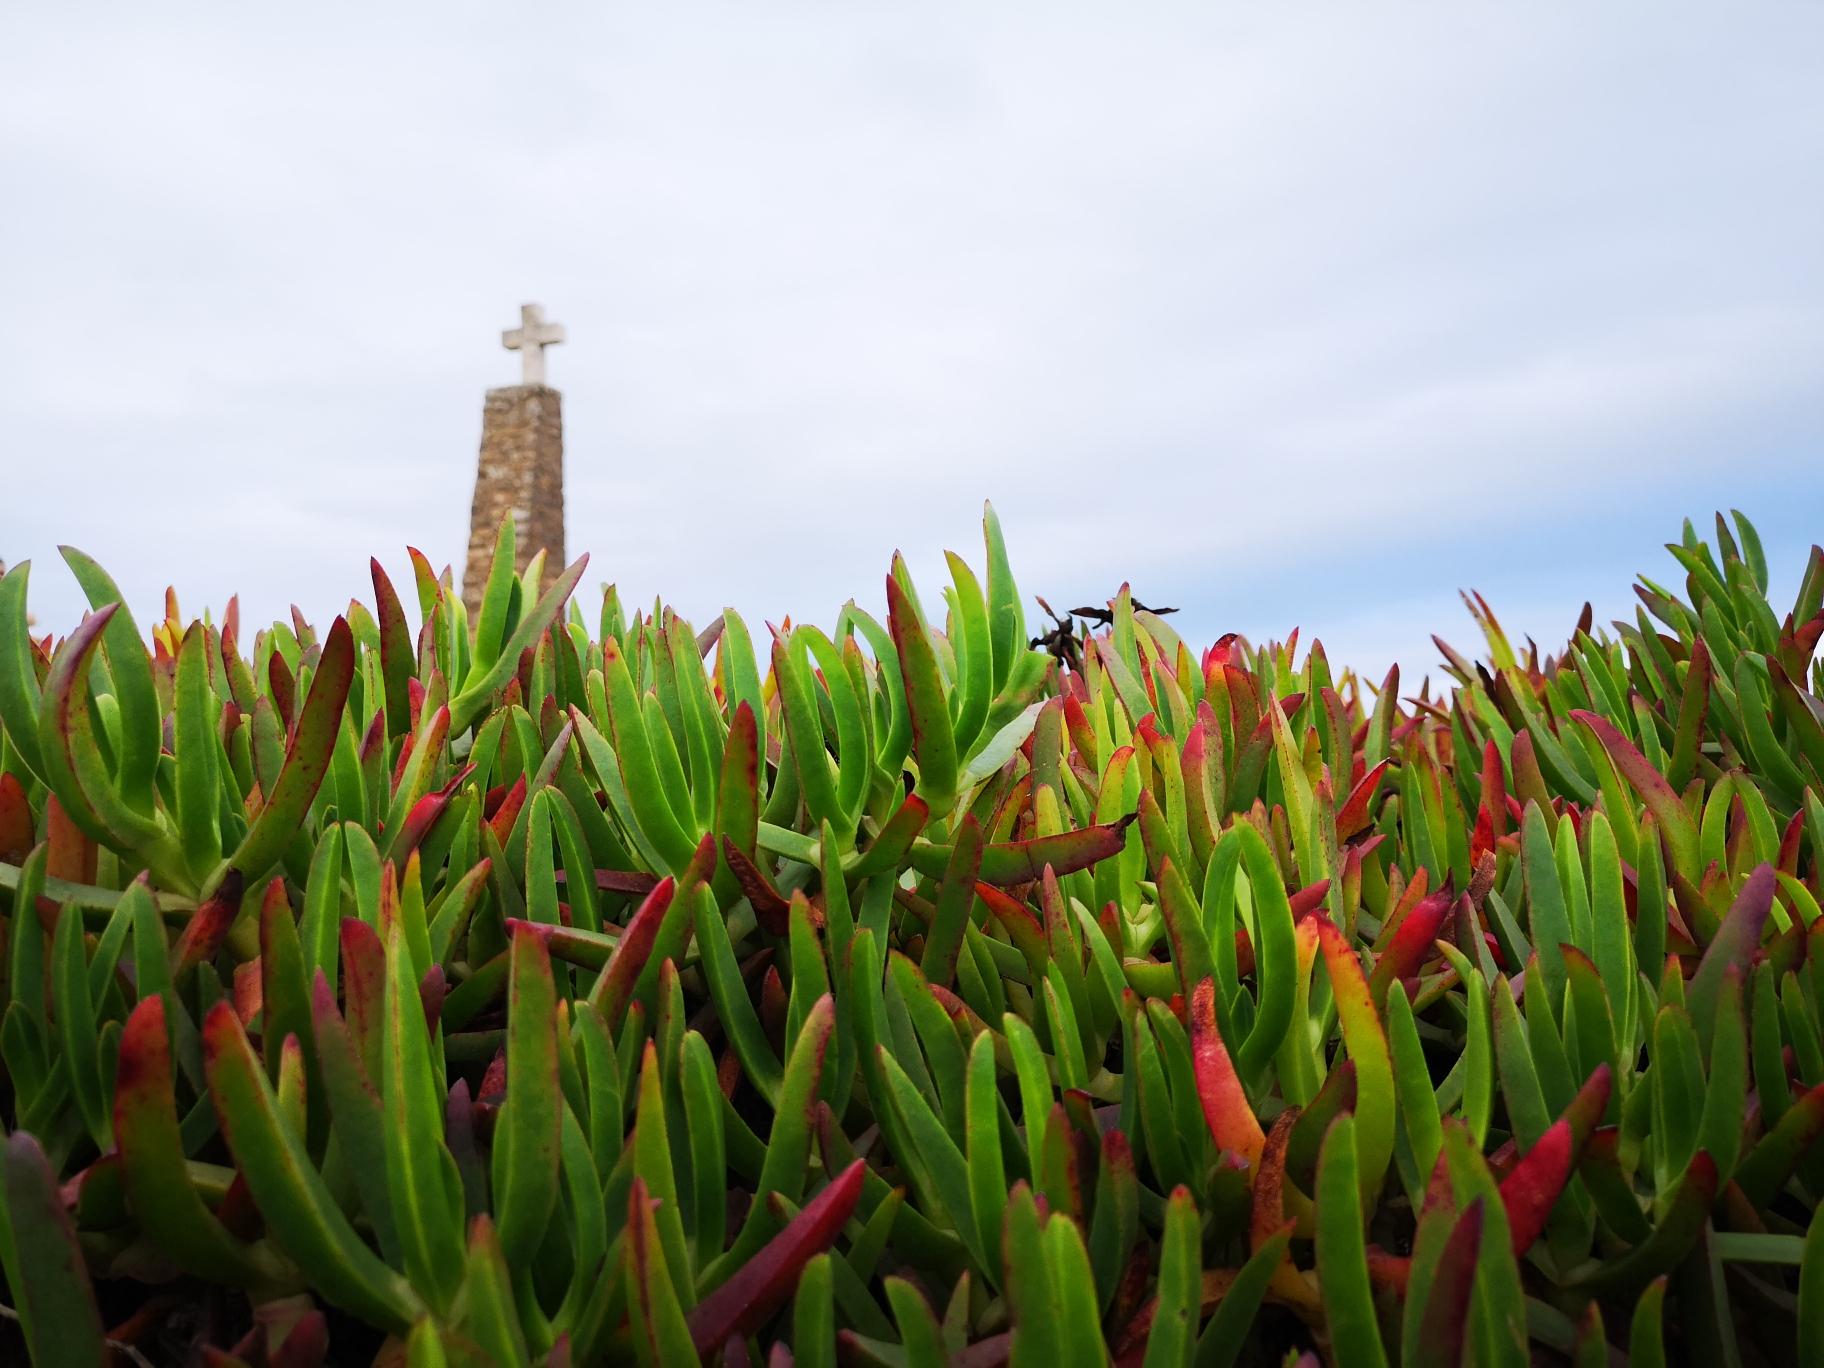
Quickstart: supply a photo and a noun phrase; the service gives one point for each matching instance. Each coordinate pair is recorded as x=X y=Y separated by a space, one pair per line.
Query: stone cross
x=530 y=339
x=521 y=470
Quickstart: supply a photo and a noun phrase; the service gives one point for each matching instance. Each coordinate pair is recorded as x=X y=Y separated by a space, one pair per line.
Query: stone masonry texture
x=521 y=471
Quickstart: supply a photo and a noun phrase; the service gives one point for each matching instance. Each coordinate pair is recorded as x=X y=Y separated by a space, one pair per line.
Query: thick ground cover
x=547 y=990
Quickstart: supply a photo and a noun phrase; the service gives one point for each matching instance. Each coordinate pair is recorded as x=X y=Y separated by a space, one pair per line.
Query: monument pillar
x=521 y=470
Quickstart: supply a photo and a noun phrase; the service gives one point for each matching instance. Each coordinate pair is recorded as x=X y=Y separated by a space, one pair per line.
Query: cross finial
x=530 y=339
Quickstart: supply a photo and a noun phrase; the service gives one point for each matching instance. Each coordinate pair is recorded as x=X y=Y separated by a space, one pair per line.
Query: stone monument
x=521 y=470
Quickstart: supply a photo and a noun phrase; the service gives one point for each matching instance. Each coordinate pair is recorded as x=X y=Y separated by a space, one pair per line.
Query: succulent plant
x=539 y=991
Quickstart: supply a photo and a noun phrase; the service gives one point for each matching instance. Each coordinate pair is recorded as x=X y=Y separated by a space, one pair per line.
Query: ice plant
x=907 y=990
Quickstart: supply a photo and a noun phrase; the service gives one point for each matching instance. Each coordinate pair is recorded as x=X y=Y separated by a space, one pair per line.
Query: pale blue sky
x=1292 y=315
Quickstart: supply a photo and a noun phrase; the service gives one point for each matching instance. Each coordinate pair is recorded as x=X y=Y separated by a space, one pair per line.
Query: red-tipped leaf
x=1446 y=1318
x=742 y=1304
x=614 y=989
x=1532 y=1189
x=1018 y=862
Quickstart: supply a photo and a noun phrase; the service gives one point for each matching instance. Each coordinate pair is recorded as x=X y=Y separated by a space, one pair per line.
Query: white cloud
x=1410 y=298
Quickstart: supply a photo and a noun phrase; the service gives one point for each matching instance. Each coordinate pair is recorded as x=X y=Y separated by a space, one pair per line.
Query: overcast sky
x=1289 y=315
